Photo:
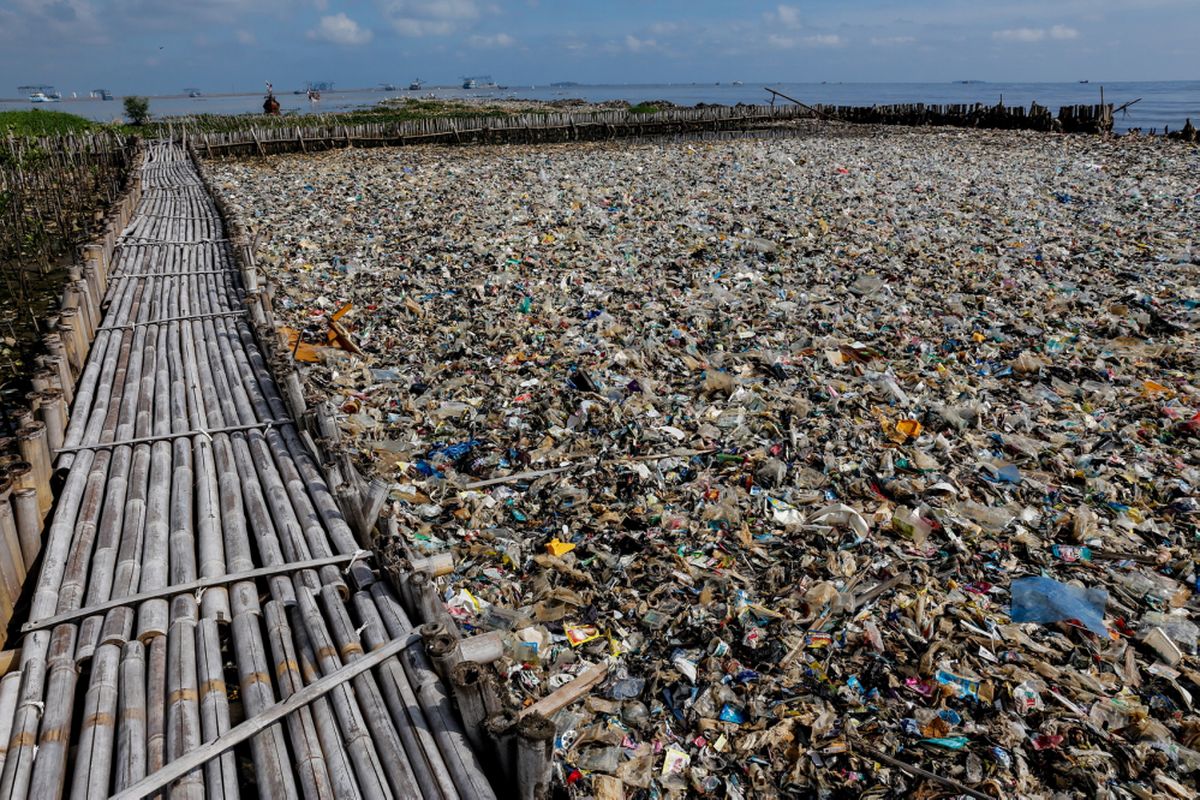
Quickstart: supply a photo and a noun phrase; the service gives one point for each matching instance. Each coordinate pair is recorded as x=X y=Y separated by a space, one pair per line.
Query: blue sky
x=160 y=46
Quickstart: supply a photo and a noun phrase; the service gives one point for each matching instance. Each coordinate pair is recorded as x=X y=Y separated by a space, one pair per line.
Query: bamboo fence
x=51 y=188
x=204 y=623
x=274 y=137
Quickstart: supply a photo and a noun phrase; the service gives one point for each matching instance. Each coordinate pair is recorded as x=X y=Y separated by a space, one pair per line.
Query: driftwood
x=567 y=694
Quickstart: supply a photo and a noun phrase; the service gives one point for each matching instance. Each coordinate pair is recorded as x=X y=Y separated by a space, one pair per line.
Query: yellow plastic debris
x=556 y=548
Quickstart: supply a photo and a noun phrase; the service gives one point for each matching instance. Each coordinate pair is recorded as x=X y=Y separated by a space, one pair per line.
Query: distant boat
x=313 y=96
x=1085 y=81
x=195 y=93
x=416 y=86
x=469 y=83
x=738 y=83
x=42 y=97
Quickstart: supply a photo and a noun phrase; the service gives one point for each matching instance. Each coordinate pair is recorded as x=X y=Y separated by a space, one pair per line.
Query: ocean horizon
x=1159 y=104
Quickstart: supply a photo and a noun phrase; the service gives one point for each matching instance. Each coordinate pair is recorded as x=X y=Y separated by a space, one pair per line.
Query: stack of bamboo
x=50 y=188
x=198 y=571
x=39 y=428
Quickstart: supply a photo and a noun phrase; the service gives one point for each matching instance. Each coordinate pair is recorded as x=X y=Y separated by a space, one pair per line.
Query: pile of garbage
x=868 y=465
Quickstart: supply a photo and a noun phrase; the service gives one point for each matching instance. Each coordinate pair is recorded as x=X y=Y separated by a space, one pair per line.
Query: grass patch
x=37 y=122
x=644 y=108
x=383 y=114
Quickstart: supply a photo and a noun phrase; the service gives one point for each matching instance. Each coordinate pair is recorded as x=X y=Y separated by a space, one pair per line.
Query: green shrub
x=37 y=122
x=137 y=109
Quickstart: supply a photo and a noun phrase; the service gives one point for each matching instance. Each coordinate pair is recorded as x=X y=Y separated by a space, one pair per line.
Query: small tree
x=138 y=110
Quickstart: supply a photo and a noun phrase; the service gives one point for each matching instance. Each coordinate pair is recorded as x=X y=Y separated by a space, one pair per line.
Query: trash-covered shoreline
x=851 y=456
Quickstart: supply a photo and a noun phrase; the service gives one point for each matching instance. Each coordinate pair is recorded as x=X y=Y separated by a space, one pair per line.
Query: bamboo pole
x=54 y=416
x=535 y=756
x=156 y=498
x=34 y=449
x=461 y=761
x=29 y=523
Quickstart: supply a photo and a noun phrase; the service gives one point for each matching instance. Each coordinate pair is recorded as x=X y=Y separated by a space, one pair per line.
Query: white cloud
x=496 y=40
x=825 y=40
x=340 y=29
x=430 y=17
x=636 y=45
x=787 y=16
x=1023 y=35
x=1030 y=35
x=783 y=42
x=892 y=41
x=245 y=37
x=665 y=28
x=61 y=20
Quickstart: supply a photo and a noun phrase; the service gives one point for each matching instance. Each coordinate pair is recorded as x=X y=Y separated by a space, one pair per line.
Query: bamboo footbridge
x=205 y=624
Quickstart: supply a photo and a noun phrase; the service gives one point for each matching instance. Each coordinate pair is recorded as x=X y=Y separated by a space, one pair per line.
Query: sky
x=164 y=46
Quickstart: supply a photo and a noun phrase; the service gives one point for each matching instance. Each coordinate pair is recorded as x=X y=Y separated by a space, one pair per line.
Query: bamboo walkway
x=204 y=624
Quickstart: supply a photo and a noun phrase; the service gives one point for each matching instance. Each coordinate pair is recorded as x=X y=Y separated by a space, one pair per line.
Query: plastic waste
x=781 y=427
x=1044 y=600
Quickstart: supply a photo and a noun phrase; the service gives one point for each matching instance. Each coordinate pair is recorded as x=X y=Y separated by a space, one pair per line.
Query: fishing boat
x=416 y=86
x=479 y=82
x=42 y=97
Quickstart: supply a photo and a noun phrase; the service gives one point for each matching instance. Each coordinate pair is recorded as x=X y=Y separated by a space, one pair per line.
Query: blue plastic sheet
x=1043 y=600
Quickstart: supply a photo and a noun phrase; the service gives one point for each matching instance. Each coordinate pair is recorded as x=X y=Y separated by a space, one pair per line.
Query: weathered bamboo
x=220 y=774
x=468 y=680
x=54 y=415
x=482 y=648
x=34 y=448
x=96 y=738
x=10 y=685
x=443 y=652
x=29 y=523
x=130 y=757
x=368 y=769
x=462 y=762
x=10 y=535
x=535 y=756
x=271 y=761
x=174 y=474
x=393 y=678
x=502 y=731
x=310 y=765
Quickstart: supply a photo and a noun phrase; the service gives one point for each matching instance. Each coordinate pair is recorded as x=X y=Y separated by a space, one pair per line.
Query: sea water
x=1161 y=103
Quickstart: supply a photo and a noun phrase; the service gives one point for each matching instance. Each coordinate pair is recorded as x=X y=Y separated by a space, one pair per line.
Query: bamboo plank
x=240 y=733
